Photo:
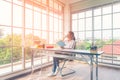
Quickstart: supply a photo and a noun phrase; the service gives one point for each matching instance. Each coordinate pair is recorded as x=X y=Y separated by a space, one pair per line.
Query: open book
x=60 y=43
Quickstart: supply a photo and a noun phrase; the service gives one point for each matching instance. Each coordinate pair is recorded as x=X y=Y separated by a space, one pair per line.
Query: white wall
x=66 y=17
x=74 y=1
x=67 y=13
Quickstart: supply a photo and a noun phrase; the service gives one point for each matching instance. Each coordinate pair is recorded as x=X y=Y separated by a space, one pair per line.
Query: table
x=51 y=52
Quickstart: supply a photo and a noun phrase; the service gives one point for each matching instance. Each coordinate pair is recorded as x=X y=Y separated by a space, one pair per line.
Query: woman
x=69 y=44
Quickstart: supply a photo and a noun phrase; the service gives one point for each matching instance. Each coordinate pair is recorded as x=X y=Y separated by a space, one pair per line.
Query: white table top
x=84 y=52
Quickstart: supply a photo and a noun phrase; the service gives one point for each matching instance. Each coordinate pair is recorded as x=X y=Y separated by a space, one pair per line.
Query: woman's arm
x=69 y=45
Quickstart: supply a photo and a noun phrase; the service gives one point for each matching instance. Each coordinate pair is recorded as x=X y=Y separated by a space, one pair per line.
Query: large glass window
x=22 y=22
x=99 y=26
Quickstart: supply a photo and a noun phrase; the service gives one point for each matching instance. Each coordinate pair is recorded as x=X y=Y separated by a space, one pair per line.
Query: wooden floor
x=82 y=73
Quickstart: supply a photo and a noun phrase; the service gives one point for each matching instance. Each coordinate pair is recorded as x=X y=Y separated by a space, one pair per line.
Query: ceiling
x=70 y=1
x=73 y=1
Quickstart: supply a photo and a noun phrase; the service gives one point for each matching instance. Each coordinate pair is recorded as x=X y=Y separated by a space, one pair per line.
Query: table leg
x=32 y=63
x=41 y=65
x=91 y=67
x=96 y=67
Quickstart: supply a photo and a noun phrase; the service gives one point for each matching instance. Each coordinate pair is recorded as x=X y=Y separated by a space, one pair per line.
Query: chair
x=64 y=62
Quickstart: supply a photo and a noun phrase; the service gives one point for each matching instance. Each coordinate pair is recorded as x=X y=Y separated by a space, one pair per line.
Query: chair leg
x=72 y=71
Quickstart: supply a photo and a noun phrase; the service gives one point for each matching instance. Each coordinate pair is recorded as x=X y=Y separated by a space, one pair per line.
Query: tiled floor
x=82 y=73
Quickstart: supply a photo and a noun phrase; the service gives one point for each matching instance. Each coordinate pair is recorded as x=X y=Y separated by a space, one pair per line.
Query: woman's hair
x=71 y=33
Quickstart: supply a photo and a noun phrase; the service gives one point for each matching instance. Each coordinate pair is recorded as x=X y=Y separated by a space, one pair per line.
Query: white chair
x=71 y=71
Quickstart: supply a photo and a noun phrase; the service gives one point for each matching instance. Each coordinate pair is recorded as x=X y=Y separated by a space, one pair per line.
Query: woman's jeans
x=55 y=64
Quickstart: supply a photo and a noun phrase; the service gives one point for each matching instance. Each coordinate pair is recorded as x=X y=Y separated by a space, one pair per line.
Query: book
x=60 y=43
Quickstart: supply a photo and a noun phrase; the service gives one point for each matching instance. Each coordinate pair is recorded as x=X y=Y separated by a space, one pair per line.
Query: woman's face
x=69 y=36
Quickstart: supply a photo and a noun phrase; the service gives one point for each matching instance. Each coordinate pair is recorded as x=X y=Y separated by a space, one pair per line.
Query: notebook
x=61 y=43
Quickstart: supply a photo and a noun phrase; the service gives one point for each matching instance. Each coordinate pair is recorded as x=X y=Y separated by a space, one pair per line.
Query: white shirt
x=69 y=44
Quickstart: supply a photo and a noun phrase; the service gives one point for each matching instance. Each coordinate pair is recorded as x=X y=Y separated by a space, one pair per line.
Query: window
x=21 y=24
x=100 y=28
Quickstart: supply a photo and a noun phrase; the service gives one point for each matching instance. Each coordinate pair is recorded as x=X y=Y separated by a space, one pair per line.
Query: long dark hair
x=73 y=36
